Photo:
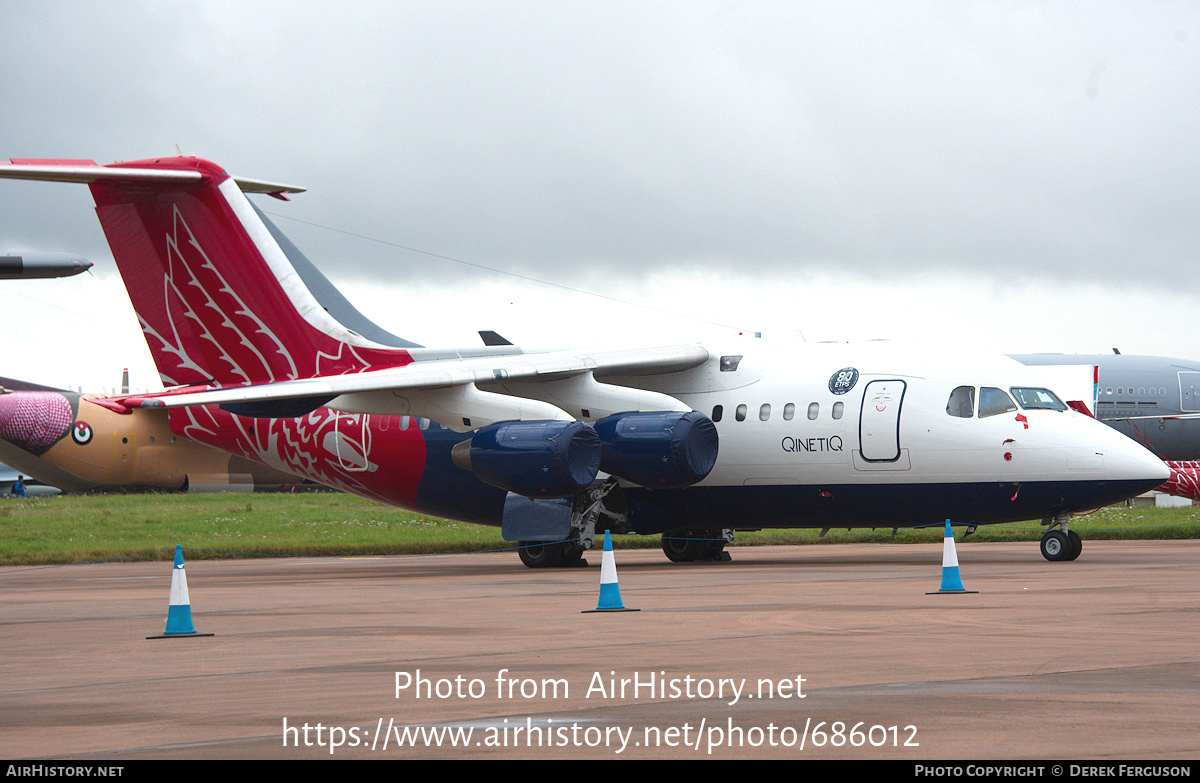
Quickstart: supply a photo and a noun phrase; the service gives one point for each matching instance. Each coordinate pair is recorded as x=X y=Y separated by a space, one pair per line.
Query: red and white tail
x=217 y=298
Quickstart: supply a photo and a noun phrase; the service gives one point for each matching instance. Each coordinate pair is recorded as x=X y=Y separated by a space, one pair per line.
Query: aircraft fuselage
x=796 y=448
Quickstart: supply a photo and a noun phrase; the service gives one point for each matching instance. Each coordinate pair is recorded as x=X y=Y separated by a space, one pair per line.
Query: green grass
x=97 y=527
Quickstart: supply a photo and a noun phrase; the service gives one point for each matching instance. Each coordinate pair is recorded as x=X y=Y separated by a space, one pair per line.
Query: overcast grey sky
x=1022 y=175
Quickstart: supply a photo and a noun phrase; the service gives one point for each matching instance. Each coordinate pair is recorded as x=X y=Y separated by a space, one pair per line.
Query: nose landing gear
x=1061 y=544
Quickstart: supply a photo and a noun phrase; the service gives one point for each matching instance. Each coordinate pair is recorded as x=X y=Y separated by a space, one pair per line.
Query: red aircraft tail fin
x=217 y=298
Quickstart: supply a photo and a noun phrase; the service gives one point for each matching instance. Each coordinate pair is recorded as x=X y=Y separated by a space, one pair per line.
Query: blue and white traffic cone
x=179 y=607
x=610 y=593
x=951 y=578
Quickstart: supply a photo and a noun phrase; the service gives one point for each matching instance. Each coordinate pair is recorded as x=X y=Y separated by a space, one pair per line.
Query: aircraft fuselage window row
x=789 y=411
x=404 y=422
x=1141 y=391
x=993 y=401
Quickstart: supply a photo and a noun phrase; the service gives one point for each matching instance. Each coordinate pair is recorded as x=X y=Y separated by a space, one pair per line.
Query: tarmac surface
x=825 y=652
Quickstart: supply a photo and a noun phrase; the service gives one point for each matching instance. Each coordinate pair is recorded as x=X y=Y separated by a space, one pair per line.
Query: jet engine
x=537 y=459
x=666 y=450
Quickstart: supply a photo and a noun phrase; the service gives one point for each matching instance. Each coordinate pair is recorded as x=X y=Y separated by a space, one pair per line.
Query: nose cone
x=34 y=421
x=1106 y=466
x=1127 y=460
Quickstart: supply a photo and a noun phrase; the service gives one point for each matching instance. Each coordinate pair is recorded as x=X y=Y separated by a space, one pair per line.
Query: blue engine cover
x=666 y=450
x=545 y=459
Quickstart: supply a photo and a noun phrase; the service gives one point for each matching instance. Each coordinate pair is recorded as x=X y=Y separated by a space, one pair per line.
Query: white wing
x=464 y=394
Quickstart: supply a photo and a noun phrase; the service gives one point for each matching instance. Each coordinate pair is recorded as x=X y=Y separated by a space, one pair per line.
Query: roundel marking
x=81 y=433
x=843 y=380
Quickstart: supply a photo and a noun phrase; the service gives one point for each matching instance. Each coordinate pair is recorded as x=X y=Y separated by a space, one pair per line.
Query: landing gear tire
x=535 y=555
x=1057 y=546
x=688 y=546
x=679 y=549
x=1076 y=544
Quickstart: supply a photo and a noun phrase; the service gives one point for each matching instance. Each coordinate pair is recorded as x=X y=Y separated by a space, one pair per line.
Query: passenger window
x=789 y=411
x=993 y=402
x=740 y=413
x=718 y=410
x=838 y=407
x=814 y=410
x=764 y=412
x=403 y=422
x=962 y=402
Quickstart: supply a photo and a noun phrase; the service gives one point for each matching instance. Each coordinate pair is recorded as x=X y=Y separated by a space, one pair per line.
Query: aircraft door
x=879 y=421
x=124 y=455
x=1189 y=392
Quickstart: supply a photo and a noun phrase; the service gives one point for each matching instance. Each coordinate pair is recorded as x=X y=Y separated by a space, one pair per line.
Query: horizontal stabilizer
x=87 y=171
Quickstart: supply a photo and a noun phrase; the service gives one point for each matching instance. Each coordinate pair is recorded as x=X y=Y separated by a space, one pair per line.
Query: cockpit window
x=993 y=402
x=1038 y=399
x=962 y=402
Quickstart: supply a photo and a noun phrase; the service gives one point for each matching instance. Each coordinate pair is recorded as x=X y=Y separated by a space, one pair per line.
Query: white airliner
x=690 y=441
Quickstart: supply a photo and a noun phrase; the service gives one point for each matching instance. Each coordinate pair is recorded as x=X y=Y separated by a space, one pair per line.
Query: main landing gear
x=587 y=509
x=686 y=546
x=1061 y=544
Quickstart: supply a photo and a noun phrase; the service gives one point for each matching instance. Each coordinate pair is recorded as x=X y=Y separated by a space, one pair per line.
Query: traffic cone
x=179 y=607
x=951 y=578
x=610 y=593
